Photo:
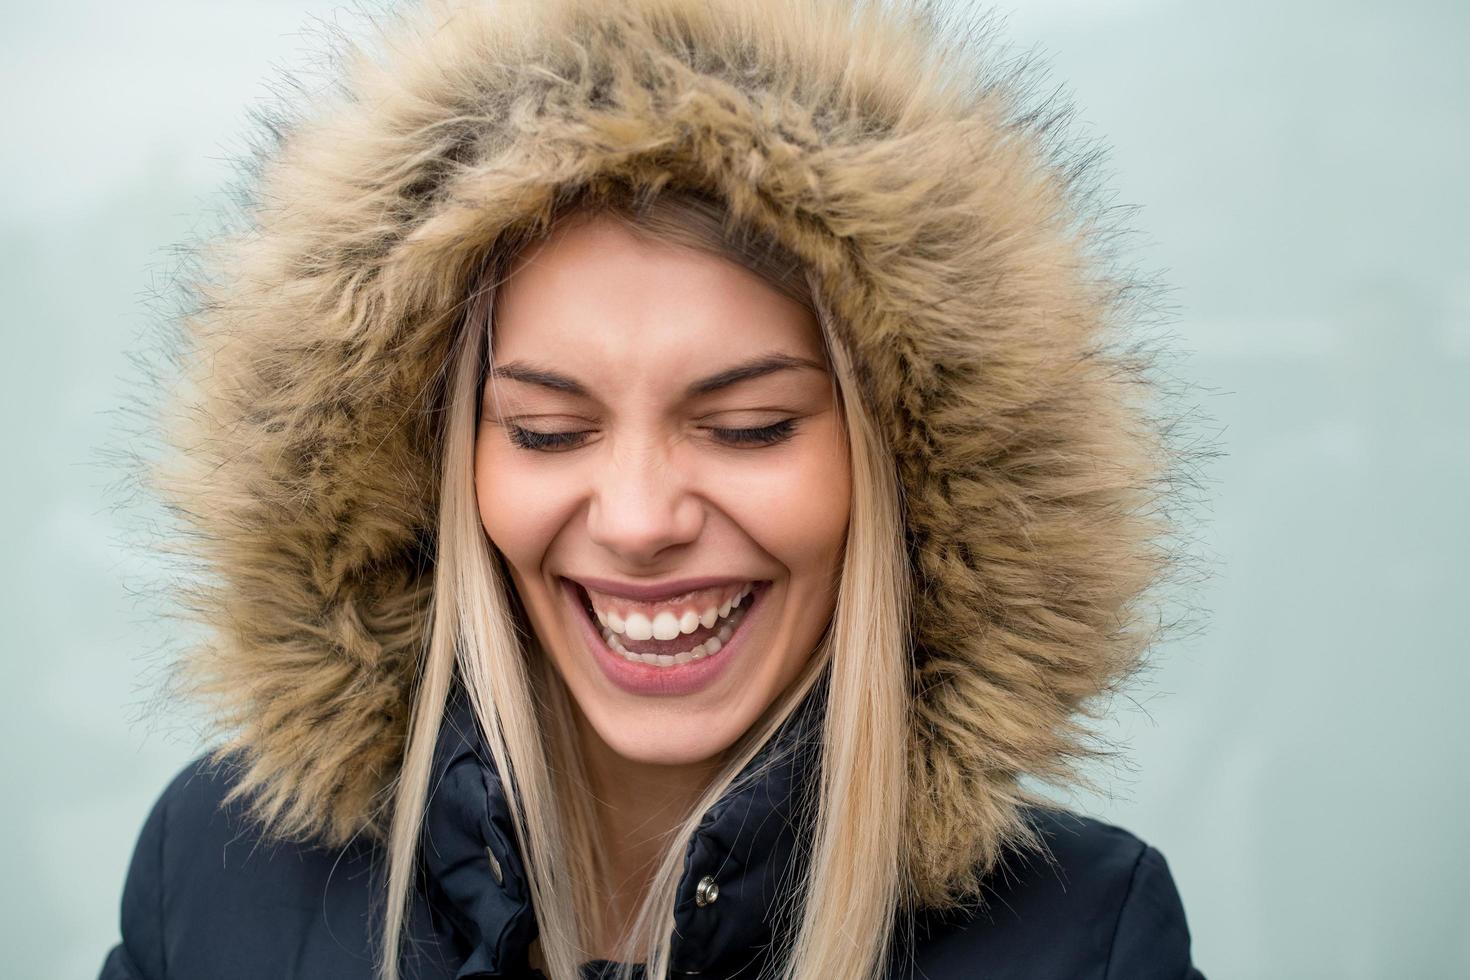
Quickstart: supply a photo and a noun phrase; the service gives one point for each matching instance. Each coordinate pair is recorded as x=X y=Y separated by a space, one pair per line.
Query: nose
x=643 y=506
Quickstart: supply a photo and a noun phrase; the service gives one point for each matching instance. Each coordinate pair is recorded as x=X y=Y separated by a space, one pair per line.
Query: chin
x=663 y=738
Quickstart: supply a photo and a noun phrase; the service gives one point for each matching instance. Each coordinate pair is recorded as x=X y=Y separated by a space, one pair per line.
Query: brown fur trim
x=950 y=228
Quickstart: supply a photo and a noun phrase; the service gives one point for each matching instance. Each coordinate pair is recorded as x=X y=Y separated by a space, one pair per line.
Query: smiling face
x=660 y=440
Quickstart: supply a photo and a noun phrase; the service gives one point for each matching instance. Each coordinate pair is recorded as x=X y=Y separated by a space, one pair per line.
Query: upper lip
x=657 y=590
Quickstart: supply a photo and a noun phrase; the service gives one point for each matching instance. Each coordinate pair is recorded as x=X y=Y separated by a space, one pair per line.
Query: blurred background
x=1299 y=169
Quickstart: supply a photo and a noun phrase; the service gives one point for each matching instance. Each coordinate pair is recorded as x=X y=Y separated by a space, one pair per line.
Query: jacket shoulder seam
x=1122 y=907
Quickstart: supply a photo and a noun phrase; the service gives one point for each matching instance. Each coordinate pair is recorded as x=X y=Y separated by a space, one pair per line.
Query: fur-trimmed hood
x=891 y=148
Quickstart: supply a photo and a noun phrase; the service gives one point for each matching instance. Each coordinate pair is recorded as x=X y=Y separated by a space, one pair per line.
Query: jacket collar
x=747 y=855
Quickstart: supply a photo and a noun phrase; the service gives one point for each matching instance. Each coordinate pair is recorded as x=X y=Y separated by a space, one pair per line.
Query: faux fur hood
x=891 y=147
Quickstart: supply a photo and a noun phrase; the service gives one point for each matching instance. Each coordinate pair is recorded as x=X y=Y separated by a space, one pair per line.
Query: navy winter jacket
x=205 y=900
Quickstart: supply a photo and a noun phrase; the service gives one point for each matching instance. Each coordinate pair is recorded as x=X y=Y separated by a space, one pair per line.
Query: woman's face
x=659 y=435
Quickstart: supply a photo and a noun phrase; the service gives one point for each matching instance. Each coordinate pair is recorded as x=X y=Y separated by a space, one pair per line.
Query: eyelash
x=765 y=435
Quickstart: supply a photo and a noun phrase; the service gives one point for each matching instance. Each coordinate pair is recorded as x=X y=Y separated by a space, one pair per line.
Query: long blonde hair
x=842 y=917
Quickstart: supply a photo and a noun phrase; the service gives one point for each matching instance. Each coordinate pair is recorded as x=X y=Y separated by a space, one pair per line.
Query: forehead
x=595 y=293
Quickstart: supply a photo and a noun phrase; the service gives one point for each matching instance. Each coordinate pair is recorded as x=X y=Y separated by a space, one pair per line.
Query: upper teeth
x=666 y=624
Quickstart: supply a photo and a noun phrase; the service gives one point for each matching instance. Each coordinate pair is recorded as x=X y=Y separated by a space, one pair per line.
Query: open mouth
x=666 y=642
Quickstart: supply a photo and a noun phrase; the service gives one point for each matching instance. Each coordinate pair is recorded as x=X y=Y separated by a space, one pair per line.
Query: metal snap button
x=494 y=866
x=707 y=892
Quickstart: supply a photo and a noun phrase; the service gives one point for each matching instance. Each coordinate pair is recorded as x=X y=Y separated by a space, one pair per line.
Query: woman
x=664 y=485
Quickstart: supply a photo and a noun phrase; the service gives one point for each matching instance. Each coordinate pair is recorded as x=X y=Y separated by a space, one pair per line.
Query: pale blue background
x=1301 y=171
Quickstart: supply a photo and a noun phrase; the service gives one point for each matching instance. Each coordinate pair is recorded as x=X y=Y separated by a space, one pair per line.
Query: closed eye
x=765 y=435
x=543 y=441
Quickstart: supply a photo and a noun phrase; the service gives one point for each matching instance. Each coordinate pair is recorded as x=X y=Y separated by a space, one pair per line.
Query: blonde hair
x=842 y=916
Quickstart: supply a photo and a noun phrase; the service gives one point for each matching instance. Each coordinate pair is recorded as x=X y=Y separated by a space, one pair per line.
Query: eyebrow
x=756 y=368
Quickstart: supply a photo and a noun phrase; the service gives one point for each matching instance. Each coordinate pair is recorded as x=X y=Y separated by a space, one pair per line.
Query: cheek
x=518 y=508
x=797 y=507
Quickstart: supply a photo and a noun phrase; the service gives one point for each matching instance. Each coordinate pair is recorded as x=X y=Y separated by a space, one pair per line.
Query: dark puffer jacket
x=950 y=231
x=206 y=898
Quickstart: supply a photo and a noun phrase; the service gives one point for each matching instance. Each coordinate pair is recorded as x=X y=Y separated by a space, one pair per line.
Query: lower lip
x=637 y=678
